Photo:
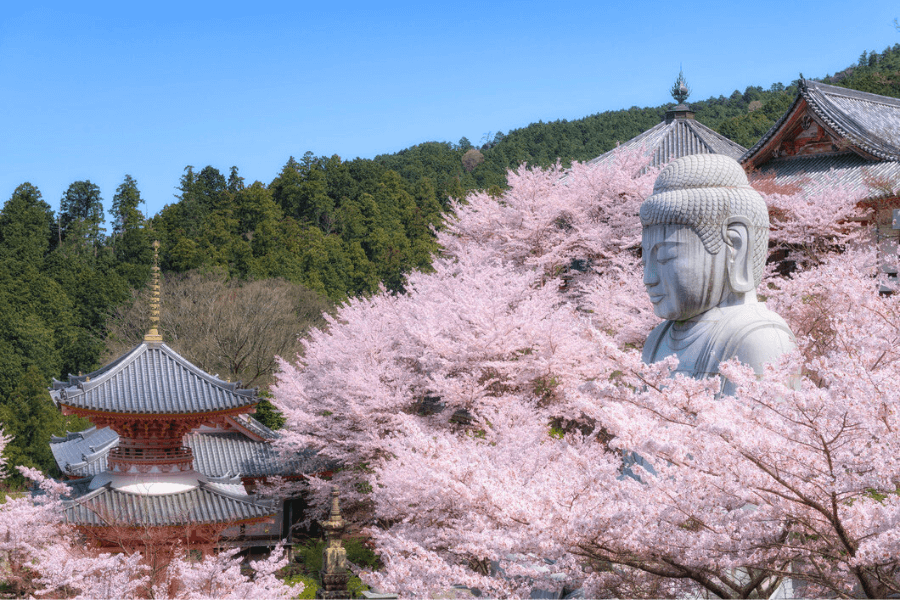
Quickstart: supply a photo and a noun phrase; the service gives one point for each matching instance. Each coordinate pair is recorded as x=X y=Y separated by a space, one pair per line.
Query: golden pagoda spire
x=153 y=335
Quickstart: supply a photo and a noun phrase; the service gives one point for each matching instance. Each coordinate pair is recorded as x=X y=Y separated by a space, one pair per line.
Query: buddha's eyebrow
x=655 y=249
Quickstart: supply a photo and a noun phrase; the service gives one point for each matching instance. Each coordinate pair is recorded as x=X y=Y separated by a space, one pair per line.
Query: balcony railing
x=121 y=459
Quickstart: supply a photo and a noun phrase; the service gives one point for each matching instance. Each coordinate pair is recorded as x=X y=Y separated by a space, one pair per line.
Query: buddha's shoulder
x=754 y=334
x=653 y=340
x=755 y=314
x=750 y=332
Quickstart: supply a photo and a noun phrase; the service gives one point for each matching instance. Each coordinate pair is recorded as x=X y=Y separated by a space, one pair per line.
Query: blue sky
x=99 y=90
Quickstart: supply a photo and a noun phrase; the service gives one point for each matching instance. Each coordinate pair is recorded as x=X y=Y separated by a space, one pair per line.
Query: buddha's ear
x=738 y=236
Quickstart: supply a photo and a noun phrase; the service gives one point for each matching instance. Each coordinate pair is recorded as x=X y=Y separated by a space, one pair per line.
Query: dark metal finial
x=680 y=90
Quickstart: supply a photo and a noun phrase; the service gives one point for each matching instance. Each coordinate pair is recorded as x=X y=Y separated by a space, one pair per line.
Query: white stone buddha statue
x=705 y=241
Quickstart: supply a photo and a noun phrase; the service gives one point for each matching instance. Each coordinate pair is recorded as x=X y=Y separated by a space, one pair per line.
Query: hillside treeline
x=59 y=279
x=325 y=228
x=339 y=228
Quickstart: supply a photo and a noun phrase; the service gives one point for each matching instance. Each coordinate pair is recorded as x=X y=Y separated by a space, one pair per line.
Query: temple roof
x=83 y=453
x=204 y=504
x=676 y=136
x=151 y=379
x=217 y=453
x=816 y=173
x=866 y=124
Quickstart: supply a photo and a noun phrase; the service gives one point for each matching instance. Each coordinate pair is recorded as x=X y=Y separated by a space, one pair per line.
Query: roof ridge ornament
x=680 y=89
x=153 y=335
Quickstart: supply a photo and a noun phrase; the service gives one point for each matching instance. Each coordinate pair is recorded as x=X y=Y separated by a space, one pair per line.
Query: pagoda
x=144 y=480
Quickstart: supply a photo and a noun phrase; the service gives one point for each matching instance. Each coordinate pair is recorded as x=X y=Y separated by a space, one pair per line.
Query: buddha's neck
x=734 y=298
x=729 y=299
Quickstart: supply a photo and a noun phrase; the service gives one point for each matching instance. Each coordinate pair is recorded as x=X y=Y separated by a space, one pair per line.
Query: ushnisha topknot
x=701 y=191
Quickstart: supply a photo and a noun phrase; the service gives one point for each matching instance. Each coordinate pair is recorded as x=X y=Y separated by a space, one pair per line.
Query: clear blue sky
x=97 y=90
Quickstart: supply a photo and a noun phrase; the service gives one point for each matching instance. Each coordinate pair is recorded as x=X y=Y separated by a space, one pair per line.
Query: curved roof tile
x=204 y=504
x=674 y=138
x=151 y=379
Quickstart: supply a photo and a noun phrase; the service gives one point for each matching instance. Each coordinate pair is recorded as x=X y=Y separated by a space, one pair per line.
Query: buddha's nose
x=650 y=278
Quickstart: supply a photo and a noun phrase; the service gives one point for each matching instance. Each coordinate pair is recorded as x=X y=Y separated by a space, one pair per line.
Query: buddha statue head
x=705 y=237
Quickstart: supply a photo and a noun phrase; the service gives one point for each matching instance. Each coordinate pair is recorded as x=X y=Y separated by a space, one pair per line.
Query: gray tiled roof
x=869 y=122
x=151 y=379
x=84 y=453
x=674 y=138
x=255 y=427
x=219 y=454
x=203 y=504
x=216 y=454
x=815 y=173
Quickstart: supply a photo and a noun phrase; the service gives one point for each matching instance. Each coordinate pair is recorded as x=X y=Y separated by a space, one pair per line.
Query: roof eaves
x=86 y=382
x=204 y=504
x=845 y=125
x=767 y=136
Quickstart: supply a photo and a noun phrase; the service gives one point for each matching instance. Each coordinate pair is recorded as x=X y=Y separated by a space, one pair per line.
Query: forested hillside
x=326 y=228
x=336 y=227
x=59 y=278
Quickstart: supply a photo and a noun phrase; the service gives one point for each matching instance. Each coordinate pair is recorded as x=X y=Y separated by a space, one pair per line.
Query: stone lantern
x=335 y=573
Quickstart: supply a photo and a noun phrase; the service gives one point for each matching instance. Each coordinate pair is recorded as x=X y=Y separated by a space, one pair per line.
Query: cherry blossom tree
x=444 y=394
x=783 y=479
x=497 y=427
x=41 y=555
x=812 y=219
x=219 y=576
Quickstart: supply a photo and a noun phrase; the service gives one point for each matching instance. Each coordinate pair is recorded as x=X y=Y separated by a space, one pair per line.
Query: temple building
x=834 y=134
x=678 y=134
x=173 y=448
x=828 y=128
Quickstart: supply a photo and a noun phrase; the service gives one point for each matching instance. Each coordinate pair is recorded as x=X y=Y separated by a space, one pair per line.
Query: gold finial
x=153 y=335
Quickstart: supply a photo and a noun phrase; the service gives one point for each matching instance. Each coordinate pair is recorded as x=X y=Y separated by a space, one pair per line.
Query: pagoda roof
x=205 y=504
x=866 y=124
x=220 y=454
x=217 y=453
x=152 y=379
x=83 y=453
x=679 y=134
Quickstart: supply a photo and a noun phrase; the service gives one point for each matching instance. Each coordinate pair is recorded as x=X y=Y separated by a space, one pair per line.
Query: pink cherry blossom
x=496 y=428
